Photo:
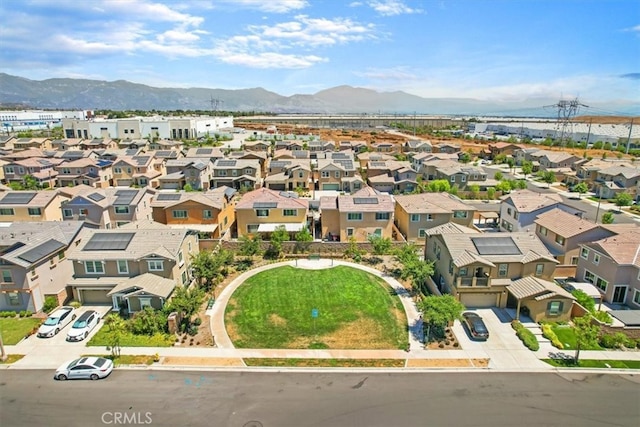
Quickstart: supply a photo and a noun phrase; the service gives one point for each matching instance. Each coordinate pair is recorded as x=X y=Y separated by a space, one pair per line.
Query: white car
x=56 y=321
x=85 y=324
x=92 y=368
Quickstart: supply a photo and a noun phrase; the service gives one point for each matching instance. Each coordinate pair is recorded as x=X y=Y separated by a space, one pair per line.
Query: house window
x=502 y=270
x=82 y=211
x=123 y=266
x=429 y=217
x=596 y=259
x=155 y=265
x=180 y=259
x=508 y=211
x=252 y=228
x=207 y=214
x=144 y=303
x=636 y=296
x=450 y=266
x=589 y=276
x=460 y=214
x=301 y=174
x=94 y=267
x=184 y=278
x=453 y=178
x=290 y=212
x=222 y=173
x=354 y=216
x=262 y=212
x=9 y=170
x=115 y=170
x=554 y=308
x=35 y=211
x=601 y=284
x=121 y=209
x=542 y=230
x=6 y=276
x=67 y=212
x=462 y=272
x=14 y=298
x=382 y=216
x=574 y=260
x=248 y=171
x=560 y=240
x=584 y=253
x=422 y=233
x=179 y=214
x=516 y=215
x=337 y=174
x=6 y=211
x=350 y=232
x=539 y=269
x=415 y=217
x=325 y=174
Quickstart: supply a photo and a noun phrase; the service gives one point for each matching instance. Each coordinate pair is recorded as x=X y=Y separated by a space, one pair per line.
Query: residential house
x=257 y=145
x=166 y=144
x=392 y=176
x=6 y=142
x=415 y=214
x=502 y=148
x=237 y=173
x=166 y=154
x=41 y=205
x=446 y=147
x=262 y=210
x=460 y=175
x=42 y=169
x=211 y=212
x=385 y=147
x=556 y=160
x=27 y=143
x=316 y=145
x=365 y=213
x=33 y=263
x=75 y=154
x=497 y=270
x=212 y=153
x=337 y=174
x=141 y=171
x=289 y=175
x=85 y=170
x=195 y=172
x=260 y=156
x=562 y=233
x=526 y=155
x=355 y=146
x=519 y=209
x=366 y=157
x=612 y=264
x=106 y=207
x=284 y=154
x=616 y=179
x=98 y=144
x=110 y=265
x=417 y=146
x=141 y=144
x=66 y=144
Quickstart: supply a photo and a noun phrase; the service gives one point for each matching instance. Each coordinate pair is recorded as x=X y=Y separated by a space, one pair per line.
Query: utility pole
x=214 y=104
x=629 y=137
x=567 y=109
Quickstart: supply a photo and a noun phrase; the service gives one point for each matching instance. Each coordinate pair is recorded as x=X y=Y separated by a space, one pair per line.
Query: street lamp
x=599 y=200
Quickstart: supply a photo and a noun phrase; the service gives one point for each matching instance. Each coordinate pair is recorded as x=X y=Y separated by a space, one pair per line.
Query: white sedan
x=92 y=368
x=56 y=321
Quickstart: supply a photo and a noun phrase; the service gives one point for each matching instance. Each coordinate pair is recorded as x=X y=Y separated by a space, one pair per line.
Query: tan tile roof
x=563 y=223
x=146 y=283
x=623 y=248
x=540 y=289
x=432 y=203
x=266 y=195
x=530 y=201
x=214 y=198
x=450 y=227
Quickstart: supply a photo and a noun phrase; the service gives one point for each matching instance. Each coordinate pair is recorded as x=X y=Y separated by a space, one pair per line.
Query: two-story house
x=41 y=169
x=519 y=209
x=289 y=175
x=502 y=148
x=139 y=170
x=41 y=205
x=236 y=173
x=557 y=159
x=196 y=172
x=392 y=176
x=337 y=174
x=211 y=212
x=263 y=210
x=98 y=144
x=417 y=146
x=134 y=267
x=27 y=143
x=166 y=145
x=417 y=213
x=211 y=153
x=616 y=179
x=33 y=263
x=365 y=213
x=106 y=207
x=92 y=172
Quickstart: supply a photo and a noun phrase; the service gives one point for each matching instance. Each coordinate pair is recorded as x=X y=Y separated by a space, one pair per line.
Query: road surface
x=271 y=399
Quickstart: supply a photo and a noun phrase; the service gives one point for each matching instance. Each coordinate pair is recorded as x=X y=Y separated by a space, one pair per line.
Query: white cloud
x=388 y=74
x=272 y=6
x=267 y=59
x=392 y=7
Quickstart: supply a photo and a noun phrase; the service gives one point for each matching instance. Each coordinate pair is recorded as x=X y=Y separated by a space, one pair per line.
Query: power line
x=567 y=109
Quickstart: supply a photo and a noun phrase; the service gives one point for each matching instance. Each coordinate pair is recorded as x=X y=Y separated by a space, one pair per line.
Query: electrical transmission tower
x=567 y=110
x=214 y=104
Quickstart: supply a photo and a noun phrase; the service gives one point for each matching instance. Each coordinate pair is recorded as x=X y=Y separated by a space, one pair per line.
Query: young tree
x=521 y=184
x=279 y=235
x=250 y=245
x=465 y=158
x=209 y=267
x=512 y=163
x=414 y=268
x=438 y=186
x=381 y=245
x=475 y=190
x=623 y=199
x=549 y=178
x=586 y=334
x=186 y=301
x=581 y=188
x=527 y=168
x=439 y=311
x=608 y=218
x=491 y=193
x=116 y=329
x=498 y=176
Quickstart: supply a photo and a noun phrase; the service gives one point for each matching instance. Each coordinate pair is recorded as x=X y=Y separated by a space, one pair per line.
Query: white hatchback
x=56 y=321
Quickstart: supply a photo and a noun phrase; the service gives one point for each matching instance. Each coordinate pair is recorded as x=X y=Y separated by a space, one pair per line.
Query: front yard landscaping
x=16 y=328
x=327 y=363
x=128 y=339
x=355 y=310
x=607 y=364
x=567 y=337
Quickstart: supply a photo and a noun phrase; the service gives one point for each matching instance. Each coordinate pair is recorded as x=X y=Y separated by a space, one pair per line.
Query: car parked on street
x=85 y=324
x=475 y=326
x=56 y=321
x=91 y=368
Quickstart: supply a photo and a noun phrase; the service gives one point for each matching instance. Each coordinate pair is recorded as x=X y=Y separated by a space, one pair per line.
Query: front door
x=619 y=294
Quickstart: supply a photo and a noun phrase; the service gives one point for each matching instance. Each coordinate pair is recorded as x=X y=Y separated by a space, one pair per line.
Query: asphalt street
x=281 y=399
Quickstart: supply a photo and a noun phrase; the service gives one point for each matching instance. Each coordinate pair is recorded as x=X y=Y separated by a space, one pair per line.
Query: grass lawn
x=126 y=359
x=11 y=358
x=615 y=364
x=327 y=363
x=130 y=340
x=15 y=329
x=356 y=310
x=568 y=338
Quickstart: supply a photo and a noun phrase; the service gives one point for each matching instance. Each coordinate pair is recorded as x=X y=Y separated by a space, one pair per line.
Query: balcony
x=464 y=282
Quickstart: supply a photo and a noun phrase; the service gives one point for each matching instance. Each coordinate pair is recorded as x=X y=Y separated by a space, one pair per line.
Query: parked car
x=56 y=321
x=85 y=324
x=92 y=368
x=475 y=325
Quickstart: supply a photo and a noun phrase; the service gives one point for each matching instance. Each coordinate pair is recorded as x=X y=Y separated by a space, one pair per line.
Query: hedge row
x=547 y=332
x=526 y=336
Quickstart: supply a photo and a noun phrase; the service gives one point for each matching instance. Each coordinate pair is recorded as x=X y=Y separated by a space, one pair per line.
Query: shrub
x=584 y=300
x=50 y=303
x=603 y=316
x=75 y=304
x=8 y=314
x=197 y=321
x=25 y=313
x=548 y=333
x=148 y=322
x=617 y=340
x=526 y=336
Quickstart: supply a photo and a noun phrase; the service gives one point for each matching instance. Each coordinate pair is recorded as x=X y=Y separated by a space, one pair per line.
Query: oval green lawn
x=273 y=309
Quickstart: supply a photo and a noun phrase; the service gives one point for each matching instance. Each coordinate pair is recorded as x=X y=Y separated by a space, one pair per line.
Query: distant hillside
x=124 y=95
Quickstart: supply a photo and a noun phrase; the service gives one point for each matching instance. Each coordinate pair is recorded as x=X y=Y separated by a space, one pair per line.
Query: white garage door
x=95 y=296
x=484 y=300
x=331 y=187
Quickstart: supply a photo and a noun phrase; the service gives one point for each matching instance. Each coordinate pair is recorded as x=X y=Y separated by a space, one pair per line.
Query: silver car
x=92 y=368
x=56 y=321
x=81 y=327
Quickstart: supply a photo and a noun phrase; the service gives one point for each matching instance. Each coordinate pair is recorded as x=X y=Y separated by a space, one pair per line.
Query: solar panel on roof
x=131 y=152
x=226 y=163
x=265 y=205
x=365 y=201
x=141 y=160
x=166 y=197
x=42 y=250
x=163 y=153
x=109 y=242
x=125 y=197
x=17 y=198
x=96 y=197
x=496 y=246
x=203 y=151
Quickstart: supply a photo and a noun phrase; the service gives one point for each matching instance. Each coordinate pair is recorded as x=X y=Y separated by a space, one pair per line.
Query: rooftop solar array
x=265 y=205
x=164 y=153
x=166 y=197
x=17 y=198
x=125 y=197
x=365 y=200
x=495 y=246
x=101 y=162
x=347 y=164
x=109 y=242
x=141 y=160
x=203 y=151
x=131 y=152
x=96 y=197
x=226 y=163
x=72 y=154
x=379 y=164
x=41 y=251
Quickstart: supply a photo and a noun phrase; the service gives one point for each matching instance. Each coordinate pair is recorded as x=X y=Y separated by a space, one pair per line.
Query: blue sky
x=483 y=49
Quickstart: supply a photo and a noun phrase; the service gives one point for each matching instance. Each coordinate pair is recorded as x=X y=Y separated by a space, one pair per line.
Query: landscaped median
x=605 y=364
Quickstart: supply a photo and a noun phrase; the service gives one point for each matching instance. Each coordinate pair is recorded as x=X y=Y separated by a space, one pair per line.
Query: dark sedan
x=475 y=325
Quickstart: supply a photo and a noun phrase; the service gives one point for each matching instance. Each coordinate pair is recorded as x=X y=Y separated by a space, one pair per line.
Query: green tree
x=187 y=302
x=465 y=158
x=250 y=245
x=209 y=267
x=491 y=193
x=521 y=184
x=511 y=162
x=581 y=188
x=475 y=190
x=414 y=268
x=498 y=176
x=548 y=177
x=608 y=218
x=31 y=183
x=279 y=235
x=303 y=239
x=527 y=168
x=438 y=186
x=623 y=199
x=353 y=251
x=381 y=245
x=439 y=311
x=586 y=334
x=116 y=329
x=188 y=188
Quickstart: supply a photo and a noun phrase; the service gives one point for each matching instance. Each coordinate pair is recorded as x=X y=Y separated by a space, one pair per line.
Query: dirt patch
x=326 y=363
x=359 y=334
x=201 y=361
x=447 y=363
x=449 y=342
x=277 y=320
x=203 y=338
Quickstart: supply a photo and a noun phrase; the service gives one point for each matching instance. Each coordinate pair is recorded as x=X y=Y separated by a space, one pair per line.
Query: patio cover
x=268 y=228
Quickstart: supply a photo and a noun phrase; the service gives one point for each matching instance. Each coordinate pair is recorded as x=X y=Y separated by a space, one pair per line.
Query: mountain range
x=84 y=94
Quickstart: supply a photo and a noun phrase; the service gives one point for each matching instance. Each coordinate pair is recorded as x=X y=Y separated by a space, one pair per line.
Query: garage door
x=95 y=296
x=479 y=300
x=331 y=187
